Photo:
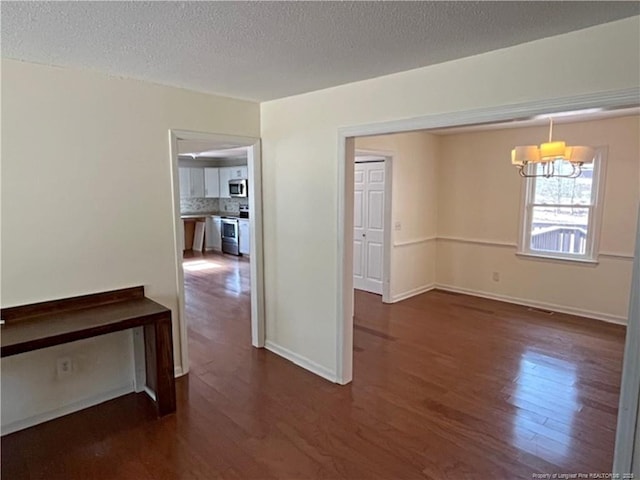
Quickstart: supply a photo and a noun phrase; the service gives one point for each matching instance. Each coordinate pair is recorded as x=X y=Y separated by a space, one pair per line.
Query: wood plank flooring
x=445 y=386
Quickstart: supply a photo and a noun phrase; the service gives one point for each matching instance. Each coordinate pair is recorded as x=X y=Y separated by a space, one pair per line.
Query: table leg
x=159 y=364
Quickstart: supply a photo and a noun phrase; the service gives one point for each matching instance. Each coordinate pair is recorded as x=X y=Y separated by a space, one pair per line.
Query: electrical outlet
x=496 y=276
x=398 y=226
x=64 y=367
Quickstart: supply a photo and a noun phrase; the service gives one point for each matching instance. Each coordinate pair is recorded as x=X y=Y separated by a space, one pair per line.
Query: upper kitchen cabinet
x=185 y=182
x=197 y=182
x=191 y=182
x=239 y=173
x=225 y=176
x=212 y=182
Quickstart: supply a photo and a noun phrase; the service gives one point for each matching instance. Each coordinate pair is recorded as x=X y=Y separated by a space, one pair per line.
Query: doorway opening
x=348 y=144
x=524 y=393
x=218 y=242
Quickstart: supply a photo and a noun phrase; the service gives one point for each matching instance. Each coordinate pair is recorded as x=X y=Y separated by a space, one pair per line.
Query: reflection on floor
x=446 y=386
x=514 y=391
x=218 y=309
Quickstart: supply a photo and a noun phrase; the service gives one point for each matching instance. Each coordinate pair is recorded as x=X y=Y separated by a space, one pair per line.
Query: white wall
x=414 y=205
x=87 y=206
x=479 y=215
x=300 y=152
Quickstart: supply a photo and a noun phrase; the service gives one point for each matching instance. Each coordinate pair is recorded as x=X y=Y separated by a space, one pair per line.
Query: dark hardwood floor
x=446 y=386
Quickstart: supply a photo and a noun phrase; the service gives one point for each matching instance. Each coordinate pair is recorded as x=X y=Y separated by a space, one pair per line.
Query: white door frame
x=388 y=193
x=627 y=451
x=255 y=222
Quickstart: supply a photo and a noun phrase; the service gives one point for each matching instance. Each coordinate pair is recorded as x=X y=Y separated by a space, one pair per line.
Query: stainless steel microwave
x=238 y=188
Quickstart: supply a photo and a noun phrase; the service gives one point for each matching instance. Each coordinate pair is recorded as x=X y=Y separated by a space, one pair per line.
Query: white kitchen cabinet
x=197 y=182
x=211 y=182
x=191 y=182
x=245 y=236
x=239 y=173
x=225 y=176
x=185 y=182
x=213 y=233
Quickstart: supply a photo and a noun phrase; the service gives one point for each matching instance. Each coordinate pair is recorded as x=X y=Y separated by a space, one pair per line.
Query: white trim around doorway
x=254 y=164
x=626 y=458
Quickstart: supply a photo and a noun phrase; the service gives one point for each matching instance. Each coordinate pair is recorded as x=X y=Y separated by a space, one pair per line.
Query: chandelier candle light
x=547 y=154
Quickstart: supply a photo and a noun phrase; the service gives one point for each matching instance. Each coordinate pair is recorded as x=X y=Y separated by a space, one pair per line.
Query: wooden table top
x=55 y=328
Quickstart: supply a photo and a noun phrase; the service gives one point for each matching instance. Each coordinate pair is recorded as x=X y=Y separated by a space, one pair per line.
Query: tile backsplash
x=231 y=205
x=195 y=205
x=222 y=205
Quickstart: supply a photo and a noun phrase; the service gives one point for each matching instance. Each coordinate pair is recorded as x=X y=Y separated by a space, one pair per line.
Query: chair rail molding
x=415 y=241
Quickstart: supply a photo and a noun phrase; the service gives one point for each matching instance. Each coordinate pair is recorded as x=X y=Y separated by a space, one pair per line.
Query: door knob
x=363 y=235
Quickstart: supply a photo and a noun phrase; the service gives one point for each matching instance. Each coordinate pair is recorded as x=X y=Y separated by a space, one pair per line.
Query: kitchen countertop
x=189 y=215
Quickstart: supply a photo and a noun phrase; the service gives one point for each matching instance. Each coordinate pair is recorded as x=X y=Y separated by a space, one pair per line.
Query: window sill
x=557 y=258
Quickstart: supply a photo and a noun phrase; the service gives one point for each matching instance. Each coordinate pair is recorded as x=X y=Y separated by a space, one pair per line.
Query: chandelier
x=547 y=154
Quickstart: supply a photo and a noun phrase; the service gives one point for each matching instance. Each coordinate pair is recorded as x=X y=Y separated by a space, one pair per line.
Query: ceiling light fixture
x=547 y=154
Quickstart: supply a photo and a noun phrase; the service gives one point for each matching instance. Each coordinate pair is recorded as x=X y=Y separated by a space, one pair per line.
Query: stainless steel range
x=230 y=236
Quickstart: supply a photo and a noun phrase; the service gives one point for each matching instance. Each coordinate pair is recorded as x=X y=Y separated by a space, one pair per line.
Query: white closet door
x=368 y=221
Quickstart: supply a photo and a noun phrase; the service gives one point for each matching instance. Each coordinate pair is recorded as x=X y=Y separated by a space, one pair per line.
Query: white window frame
x=595 y=217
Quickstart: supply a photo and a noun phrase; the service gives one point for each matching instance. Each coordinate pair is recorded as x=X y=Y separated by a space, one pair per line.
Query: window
x=561 y=216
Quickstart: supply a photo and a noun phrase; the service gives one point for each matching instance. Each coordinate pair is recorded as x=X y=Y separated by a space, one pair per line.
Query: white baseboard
x=605 y=317
x=66 y=410
x=301 y=361
x=151 y=393
x=412 y=293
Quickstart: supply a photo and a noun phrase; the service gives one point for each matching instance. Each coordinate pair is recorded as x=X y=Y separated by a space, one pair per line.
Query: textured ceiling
x=266 y=50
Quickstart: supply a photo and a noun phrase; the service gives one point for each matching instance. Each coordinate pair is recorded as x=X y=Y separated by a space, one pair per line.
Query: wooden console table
x=42 y=325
